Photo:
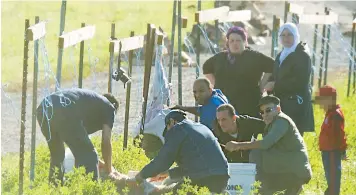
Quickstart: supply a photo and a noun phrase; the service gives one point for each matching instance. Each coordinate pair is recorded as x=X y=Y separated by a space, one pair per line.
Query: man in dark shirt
x=195 y=150
x=239 y=128
x=69 y=116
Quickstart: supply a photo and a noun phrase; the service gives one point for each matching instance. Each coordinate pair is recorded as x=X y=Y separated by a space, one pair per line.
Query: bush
x=76 y=182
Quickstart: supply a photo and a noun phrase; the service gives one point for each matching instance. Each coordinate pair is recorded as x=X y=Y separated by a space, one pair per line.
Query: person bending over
x=69 y=116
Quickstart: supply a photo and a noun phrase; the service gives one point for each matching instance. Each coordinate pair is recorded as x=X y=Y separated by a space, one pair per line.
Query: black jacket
x=240 y=81
x=247 y=127
x=292 y=86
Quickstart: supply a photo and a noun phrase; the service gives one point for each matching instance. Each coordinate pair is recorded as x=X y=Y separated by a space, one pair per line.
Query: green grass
x=134 y=159
x=127 y=15
x=318 y=183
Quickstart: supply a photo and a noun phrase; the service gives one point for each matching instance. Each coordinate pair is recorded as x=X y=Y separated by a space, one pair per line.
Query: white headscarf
x=294 y=30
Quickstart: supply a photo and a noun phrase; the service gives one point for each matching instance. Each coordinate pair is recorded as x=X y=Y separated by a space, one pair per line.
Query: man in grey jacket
x=281 y=157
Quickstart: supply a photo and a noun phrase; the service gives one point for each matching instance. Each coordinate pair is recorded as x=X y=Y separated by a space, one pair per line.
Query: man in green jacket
x=281 y=157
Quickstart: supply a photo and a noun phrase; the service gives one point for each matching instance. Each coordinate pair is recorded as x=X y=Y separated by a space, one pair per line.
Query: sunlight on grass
x=128 y=16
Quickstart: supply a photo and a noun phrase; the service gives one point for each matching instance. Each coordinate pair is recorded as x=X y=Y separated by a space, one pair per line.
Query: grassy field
x=134 y=159
x=128 y=16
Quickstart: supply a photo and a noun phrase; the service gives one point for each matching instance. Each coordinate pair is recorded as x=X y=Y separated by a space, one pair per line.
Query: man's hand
x=232 y=146
x=139 y=178
x=160 y=177
x=114 y=175
x=177 y=107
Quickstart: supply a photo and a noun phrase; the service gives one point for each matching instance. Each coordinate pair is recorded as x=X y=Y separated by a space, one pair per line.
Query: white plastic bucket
x=69 y=161
x=242 y=178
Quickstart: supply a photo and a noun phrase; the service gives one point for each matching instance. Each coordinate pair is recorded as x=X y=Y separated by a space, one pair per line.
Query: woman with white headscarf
x=291 y=78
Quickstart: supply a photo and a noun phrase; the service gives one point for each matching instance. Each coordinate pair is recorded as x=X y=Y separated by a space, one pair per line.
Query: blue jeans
x=332 y=168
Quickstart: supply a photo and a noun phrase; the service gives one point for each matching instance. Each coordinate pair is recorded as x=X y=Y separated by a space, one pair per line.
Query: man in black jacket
x=230 y=127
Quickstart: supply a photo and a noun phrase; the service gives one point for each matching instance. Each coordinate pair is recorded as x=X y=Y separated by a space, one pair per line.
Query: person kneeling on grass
x=239 y=128
x=281 y=157
x=69 y=116
x=195 y=150
x=209 y=100
x=332 y=138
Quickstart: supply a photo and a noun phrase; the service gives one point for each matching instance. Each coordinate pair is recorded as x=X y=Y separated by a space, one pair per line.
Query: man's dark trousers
x=62 y=127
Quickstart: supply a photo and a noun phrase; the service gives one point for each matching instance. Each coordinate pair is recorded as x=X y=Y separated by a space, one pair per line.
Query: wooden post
x=171 y=55
x=322 y=57
x=23 y=109
x=296 y=11
x=352 y=58
x=184 y=22
x=63 y=17
x=273 y=35
x=150 y=41
x=216 y=14
x=316 y=19
x=286 y=11
x=315 y=41
x=197 y=71
x=295 y=19
x=353 y=47
x=112 y=56
x=59 y=68
x=217 y=31
x=33 y=33
x=278 y=21
x=34 y=108
x=327 y=12
x=128 y=96
x=70 y=39
x=81 y=56
x=60 y=51
x=276 y=24
x=180 y=100
x=117 y=46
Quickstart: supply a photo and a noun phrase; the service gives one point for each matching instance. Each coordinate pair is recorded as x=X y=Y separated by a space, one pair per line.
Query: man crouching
x=195 y=150
x=281 y=157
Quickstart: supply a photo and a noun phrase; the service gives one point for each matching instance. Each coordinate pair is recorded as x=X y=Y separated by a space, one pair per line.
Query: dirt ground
x=11 y=105
x=338 y=64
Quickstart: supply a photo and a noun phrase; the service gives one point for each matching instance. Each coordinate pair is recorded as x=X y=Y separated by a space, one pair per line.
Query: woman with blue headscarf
x=291 y=78
x=237 y=72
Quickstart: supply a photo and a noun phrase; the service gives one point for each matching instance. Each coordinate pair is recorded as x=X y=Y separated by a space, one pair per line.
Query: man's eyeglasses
x=268 y=110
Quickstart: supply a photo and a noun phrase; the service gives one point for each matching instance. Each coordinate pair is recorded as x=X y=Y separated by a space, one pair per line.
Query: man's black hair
x=176 y=115
x=269 y=99
x=112 y=100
